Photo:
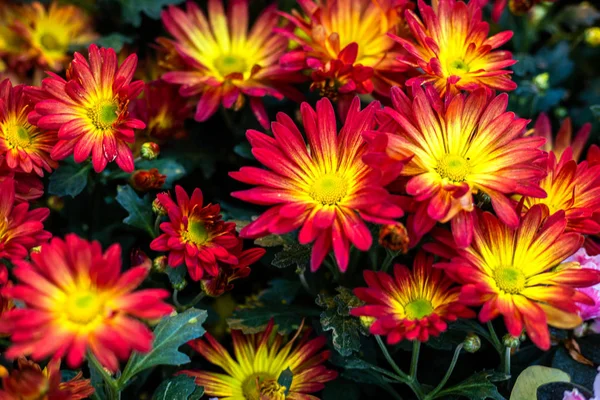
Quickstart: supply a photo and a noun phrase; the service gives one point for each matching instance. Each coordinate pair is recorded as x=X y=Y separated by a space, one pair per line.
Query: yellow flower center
x=454 y=168
x=83 y=307
x=17 y=136
x=271 y=390
x=458 y=67
x=196 y=232
x=228 y=64
x=50 y=42
x=104 y=114
x=509 y=279
x=418 y=309
x=329 y=189
x=259 y=385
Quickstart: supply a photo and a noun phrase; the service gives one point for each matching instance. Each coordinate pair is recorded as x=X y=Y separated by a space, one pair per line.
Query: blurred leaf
x=244 y=150
x=476 y=387
x=596 y=111
x=181 y=387
x=253 y=320
x=170 y=334
x=556 y=390
x=131 y=9
x=69 y=179
x=528 y=382
x=177 y=275
x=579 y=15
x=166 y=166
x=97 y=382
x=293 y=253
x=281 y=291
x=139 y=209
x=116 y=41
x=341 y=389
x=581 y=374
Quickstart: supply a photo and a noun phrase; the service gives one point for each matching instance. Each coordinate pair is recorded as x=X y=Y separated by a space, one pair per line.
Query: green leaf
x=69 y=179
x=139 y=209
x=532 y=377
x=115 y=40
x=285 y=379
x=476 y=387
x=253 y=320
x=131 y=9
x=281 y=291
x=596 y=111
x=169 y=335
x=166 y=166
x=177 y=275
x=98 y=383
x=346 y=329
x=341 y=389
x=181 y=387
x=292 y=253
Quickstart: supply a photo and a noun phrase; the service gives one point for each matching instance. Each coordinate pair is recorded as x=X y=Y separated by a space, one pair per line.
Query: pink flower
x=593 y=262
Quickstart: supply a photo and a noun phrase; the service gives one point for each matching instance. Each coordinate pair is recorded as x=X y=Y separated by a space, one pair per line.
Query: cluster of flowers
x=442 y=149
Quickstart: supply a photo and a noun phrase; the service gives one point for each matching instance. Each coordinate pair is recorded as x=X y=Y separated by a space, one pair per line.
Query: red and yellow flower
x=325 y=190
x=77 y=300
x=260 y=360
x=13 y=48
x=459 y=148
x=413 y=304
x=29 y=381
x=452 y=48
x=195 y=235
x=223 y=62
x=21 y=229
x=564 y=138
x=24 y=146
x=28 y=186
x=345 y=45
x=90 y=109
x=517 y=272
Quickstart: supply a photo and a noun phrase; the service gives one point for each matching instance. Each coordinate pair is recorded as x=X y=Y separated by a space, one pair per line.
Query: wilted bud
x=55 y=203
x=541 y=81
x=149 y=151
x=159 y=264
x=394 y=237
x=472 y=343
x=511 y=341
x=151 y=179
x=140 y=259
x=366 y=321
x=520 y=7
x=592 y=36
x=158 y=208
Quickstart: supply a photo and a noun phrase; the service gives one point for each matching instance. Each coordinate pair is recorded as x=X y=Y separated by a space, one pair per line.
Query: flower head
x=223 y=62
x=77 y=300
x=517 y=272
x=20 y=228
x=145 y=180
x=196 y=234
x=325 y=190
x=90 y=109
x=28 y=186
x=564 y=138
x=413 y=304
x=13 y=49
x=29 y=381
x=452 y=47
x=24 y=146
x=344 y=44
x=466 y=146
x=260 y=360
x=588 y=311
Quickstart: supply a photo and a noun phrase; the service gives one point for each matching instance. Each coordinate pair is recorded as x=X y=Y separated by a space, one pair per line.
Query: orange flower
x=151 y=179
x=564 y=137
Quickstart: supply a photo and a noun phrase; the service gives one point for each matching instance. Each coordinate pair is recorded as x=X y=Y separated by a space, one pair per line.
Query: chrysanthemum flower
x=260 y=360
x=145 y=180
x=13 y=49
x=90 y=109
x=564 y=137
x=50 y=31
x=588 y=311
x=195 y=235
x=326 y=189
x=573 y=188
x=345 y=45
x=465 y=146
x=517 y=273
x=29 y=381
x=20 y=228
x=28 y=186
x=224 y=62
x=24 y=146
x=413 y=304
x=77 y=300
x=452 y=47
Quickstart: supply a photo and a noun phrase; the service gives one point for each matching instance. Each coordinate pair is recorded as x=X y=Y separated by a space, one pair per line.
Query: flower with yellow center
x=413 y=304
x=261 y=360
x=77 y=300
x=13 y=48
x=325 y=190
x=564 y=137
x=517 y=272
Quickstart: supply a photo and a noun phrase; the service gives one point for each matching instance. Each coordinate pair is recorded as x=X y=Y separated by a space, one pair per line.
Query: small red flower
x=145 y=180
x=195 y=235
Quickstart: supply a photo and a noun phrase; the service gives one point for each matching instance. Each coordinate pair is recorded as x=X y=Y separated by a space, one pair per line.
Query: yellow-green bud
x=542 y=81
x=472 y=343
x=592 y=36
x=55 y=203
x=157 y=207
x=159 y=264
x=511 y=341
x=149 y=151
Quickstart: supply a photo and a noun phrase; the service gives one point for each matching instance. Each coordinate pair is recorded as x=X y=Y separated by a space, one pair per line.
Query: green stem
x=175 y=298
x=507 y=361
x=183 y=307
x=389 y=257
x=412 y=383
x=157 y=226
x=415 y=359
x=112 y=387
x=440 y=386
x=495 y=340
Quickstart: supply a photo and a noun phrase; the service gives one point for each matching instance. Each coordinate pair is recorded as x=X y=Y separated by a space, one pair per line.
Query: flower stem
x=507 y=361
x=112 y=387
x=389 y=257
x=440 y=386
x=183 y=307
x=408 y=380
x=415 y=359
x=157 y=226
x=495 y=340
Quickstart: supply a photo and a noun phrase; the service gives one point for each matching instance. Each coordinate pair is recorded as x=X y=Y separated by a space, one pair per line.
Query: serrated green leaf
x=254 y=320
x=532 y=377
x=293 y=253
x=166 y=166
x=139 y=209
x=115 y=40
x=170 y=334
x=281 y=291
x=476 y=387
x=177 y=275
x=131 y=10
x=69 y=179
x=181 y=387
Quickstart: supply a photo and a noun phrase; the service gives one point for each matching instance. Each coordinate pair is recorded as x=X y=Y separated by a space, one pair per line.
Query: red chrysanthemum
x=324 y=189
x=77 y=300
x=90 y=109
x=564 y=137
x=413 y=304
x=195 y=235
x=28 y=186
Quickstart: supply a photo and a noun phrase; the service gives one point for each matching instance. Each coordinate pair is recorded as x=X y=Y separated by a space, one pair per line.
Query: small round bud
x=55 y=203
x=35 y=249
x=157 y=207
x=511 y=341
x=159 y=264
x=366 y=321
x=394 y=237
x=149 y=151
x=179 y=286
x=541 y=81
x=472 y=343
x=145 y=180
x=592 y=36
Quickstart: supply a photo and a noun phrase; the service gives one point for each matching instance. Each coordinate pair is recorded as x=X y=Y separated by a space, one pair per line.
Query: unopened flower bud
x=158 y=208
x=592 y=36
x=511 y=341
x=366 y=321
x=149 y=151
x=394 y=237
x=472 y=343
x=520 y=7
x=55 y=203
x=144 y=180
x=159 y=264
x=541 y=81
x=179 y=286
